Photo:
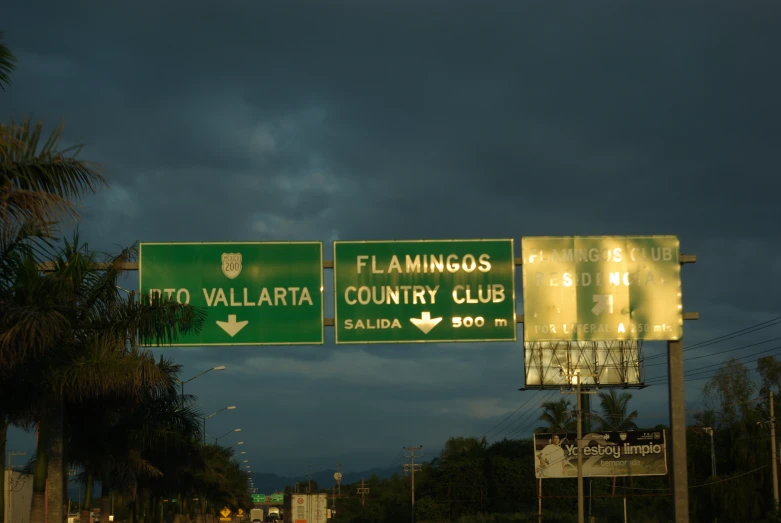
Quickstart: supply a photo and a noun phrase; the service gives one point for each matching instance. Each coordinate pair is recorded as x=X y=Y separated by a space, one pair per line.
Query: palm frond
x=38 y=182
x=29 y=331
x=141 y=466
x=101 y=366
x=17 y=243
x=7 y=64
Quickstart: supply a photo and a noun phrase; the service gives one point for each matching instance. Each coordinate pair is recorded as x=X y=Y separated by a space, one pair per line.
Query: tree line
x=477 y=482
x=73 y=362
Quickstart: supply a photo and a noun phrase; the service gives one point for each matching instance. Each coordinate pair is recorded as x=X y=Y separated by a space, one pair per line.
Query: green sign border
x=260 y=344
x=429 y=340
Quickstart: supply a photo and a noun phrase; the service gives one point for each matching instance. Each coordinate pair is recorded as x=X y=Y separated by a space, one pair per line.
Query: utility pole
x=774 y=450
x=677 y=445
x=575 y=379
x=363 y=490
x=411 y=467
x=309 y=492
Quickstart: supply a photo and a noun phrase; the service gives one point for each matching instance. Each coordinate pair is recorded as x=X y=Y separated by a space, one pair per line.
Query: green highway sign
x=255 y=293
x=424 y=291
x=601 y=288
x=272 y=498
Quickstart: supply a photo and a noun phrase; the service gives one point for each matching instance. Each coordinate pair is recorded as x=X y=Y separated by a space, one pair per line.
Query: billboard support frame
x=597 y=356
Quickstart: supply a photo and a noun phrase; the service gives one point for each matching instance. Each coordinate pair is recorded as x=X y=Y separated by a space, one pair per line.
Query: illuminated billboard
x=600 y=363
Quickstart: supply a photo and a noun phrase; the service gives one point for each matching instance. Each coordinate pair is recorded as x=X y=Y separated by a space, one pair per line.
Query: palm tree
x=224 y=481
x=615 y=412
x=14 y=411
x=124 y=441
x=557 y=417
x=16 y=385
x=86 y=348
x=162 y=439
x=37 y=186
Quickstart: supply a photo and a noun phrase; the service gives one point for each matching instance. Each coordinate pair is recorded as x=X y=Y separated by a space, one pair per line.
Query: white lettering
x=305 y=297
x=247 y=303
x=361 y=262
x=427 y=263
x=185 y=293
x=372 y=324
x=468 y=263
x=485 y=294
x=265 y=297
x=413 y=264
x=375 y=270
x=394 y=265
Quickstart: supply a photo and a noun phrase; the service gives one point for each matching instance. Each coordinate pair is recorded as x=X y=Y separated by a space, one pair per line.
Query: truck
x=273 y=514
x=256 y=515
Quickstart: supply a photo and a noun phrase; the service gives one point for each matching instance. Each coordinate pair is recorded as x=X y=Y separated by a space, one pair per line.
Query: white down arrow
x=425 y=322
x=232 y=327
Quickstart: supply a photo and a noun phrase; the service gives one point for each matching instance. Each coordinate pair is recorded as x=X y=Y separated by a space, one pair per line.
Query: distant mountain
x=269 y=483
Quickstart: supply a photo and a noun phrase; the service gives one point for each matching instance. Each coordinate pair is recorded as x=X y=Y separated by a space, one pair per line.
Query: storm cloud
x=304 y=120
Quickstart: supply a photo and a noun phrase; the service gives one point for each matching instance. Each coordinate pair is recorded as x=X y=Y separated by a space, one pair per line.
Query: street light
x=221 y=367
x=219 y=437
x=232 y=407
x=239 y=443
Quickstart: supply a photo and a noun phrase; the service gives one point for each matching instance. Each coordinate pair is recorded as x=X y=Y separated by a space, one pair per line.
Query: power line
x=522 y=428
x=531 y=396
x=702 y=484
x=742 y=332
x=700 y=370
x=696 y=372
x=721 y=352
x=529 y=423
x=510 y=429
x=396 y=459
x=519 y=416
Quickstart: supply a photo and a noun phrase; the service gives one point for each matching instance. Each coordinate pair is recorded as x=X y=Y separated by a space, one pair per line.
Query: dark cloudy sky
x=292 y=120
